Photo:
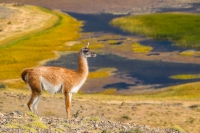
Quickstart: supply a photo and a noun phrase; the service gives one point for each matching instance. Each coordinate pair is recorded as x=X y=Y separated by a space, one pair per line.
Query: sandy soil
x=15 y=20
x=163 y=114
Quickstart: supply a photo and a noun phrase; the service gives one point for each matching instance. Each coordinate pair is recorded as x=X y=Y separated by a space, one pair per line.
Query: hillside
x=18 y=20
x=113 y=6
x=105 y=113
x=88 y=115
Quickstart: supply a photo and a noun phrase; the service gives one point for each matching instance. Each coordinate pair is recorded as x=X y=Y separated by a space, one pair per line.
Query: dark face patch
x=87 y=53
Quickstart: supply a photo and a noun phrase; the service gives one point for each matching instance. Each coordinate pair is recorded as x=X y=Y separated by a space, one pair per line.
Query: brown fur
x=24 y=74
x=54 y=79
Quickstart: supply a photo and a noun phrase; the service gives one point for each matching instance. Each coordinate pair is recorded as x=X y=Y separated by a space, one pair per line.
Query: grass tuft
x=138 y=48
x=102 y=73
x=110 y=91
x=77 y=47
x=177 y=128
x=186 y=76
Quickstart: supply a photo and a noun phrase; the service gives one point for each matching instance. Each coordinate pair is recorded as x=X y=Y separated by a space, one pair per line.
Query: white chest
x=76 y=88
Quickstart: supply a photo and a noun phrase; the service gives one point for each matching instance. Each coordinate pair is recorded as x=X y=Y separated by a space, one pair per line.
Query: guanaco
x=54 y=79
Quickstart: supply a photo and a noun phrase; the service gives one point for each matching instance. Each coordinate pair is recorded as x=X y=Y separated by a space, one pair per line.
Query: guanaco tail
x=54 y=79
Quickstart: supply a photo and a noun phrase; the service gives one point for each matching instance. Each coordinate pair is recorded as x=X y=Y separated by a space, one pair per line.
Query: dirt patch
x=28 y=121
x=22 y=19
x=163 y=114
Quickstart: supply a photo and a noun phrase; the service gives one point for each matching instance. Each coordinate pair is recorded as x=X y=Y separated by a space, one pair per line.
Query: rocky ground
x=161 y=114
x=17 y=122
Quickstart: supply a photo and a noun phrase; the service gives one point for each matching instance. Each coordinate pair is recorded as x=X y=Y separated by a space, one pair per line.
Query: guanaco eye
x=86 y=50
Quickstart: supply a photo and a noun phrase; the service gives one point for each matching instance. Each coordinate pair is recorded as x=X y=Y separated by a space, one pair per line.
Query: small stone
x=3 y=121
x=124 y=127
x=1 y=115
x=24 y=105
x=96 y=125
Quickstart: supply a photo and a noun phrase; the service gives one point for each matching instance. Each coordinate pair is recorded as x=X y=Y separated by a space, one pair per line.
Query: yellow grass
x=188 y=53
x=113 y=42
x=186 y=76
x=110 y=91
x=102 y=73
x=77 y=47
x=29 y=50
x=138 y=48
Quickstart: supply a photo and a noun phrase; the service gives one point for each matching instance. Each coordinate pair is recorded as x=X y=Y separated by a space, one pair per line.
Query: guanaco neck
x=82 y=65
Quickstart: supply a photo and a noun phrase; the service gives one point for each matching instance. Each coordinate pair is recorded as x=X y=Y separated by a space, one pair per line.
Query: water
x=146 y=72
x=100 y=23
x=154 y=73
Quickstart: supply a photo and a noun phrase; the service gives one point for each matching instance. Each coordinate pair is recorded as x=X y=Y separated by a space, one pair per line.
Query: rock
x=16 y=113
x=1 y=115
x=74 y=125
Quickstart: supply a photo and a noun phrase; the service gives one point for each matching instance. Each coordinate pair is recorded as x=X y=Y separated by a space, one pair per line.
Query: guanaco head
x=87 y=52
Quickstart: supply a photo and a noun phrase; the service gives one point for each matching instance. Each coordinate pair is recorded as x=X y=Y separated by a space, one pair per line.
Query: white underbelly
x=49 y=87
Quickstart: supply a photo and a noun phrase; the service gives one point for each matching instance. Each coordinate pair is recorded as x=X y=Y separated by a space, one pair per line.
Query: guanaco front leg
x=68 y=103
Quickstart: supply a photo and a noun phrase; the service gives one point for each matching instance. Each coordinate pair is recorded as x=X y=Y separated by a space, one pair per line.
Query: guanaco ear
x=87 y=45
x=86 y=48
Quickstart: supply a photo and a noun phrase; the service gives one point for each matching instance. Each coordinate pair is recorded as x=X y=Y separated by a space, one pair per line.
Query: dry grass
x=25 y=20
x=156 y=113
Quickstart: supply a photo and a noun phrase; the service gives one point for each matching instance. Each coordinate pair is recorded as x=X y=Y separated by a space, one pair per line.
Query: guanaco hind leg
x=33 y=102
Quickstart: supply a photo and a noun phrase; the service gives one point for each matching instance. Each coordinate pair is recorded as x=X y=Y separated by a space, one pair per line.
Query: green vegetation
x=77 y=47
x=177 y=128
x=185 y=91
x=190 y=53
x=102 y=73
x=186 y=76
x=113 y=42
x=190 y=91
x=125 y=117
x=182 y=29
x=29 y=50
x=30 y=123
x=110 y=91
x=33 y=125
x=138 y=48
